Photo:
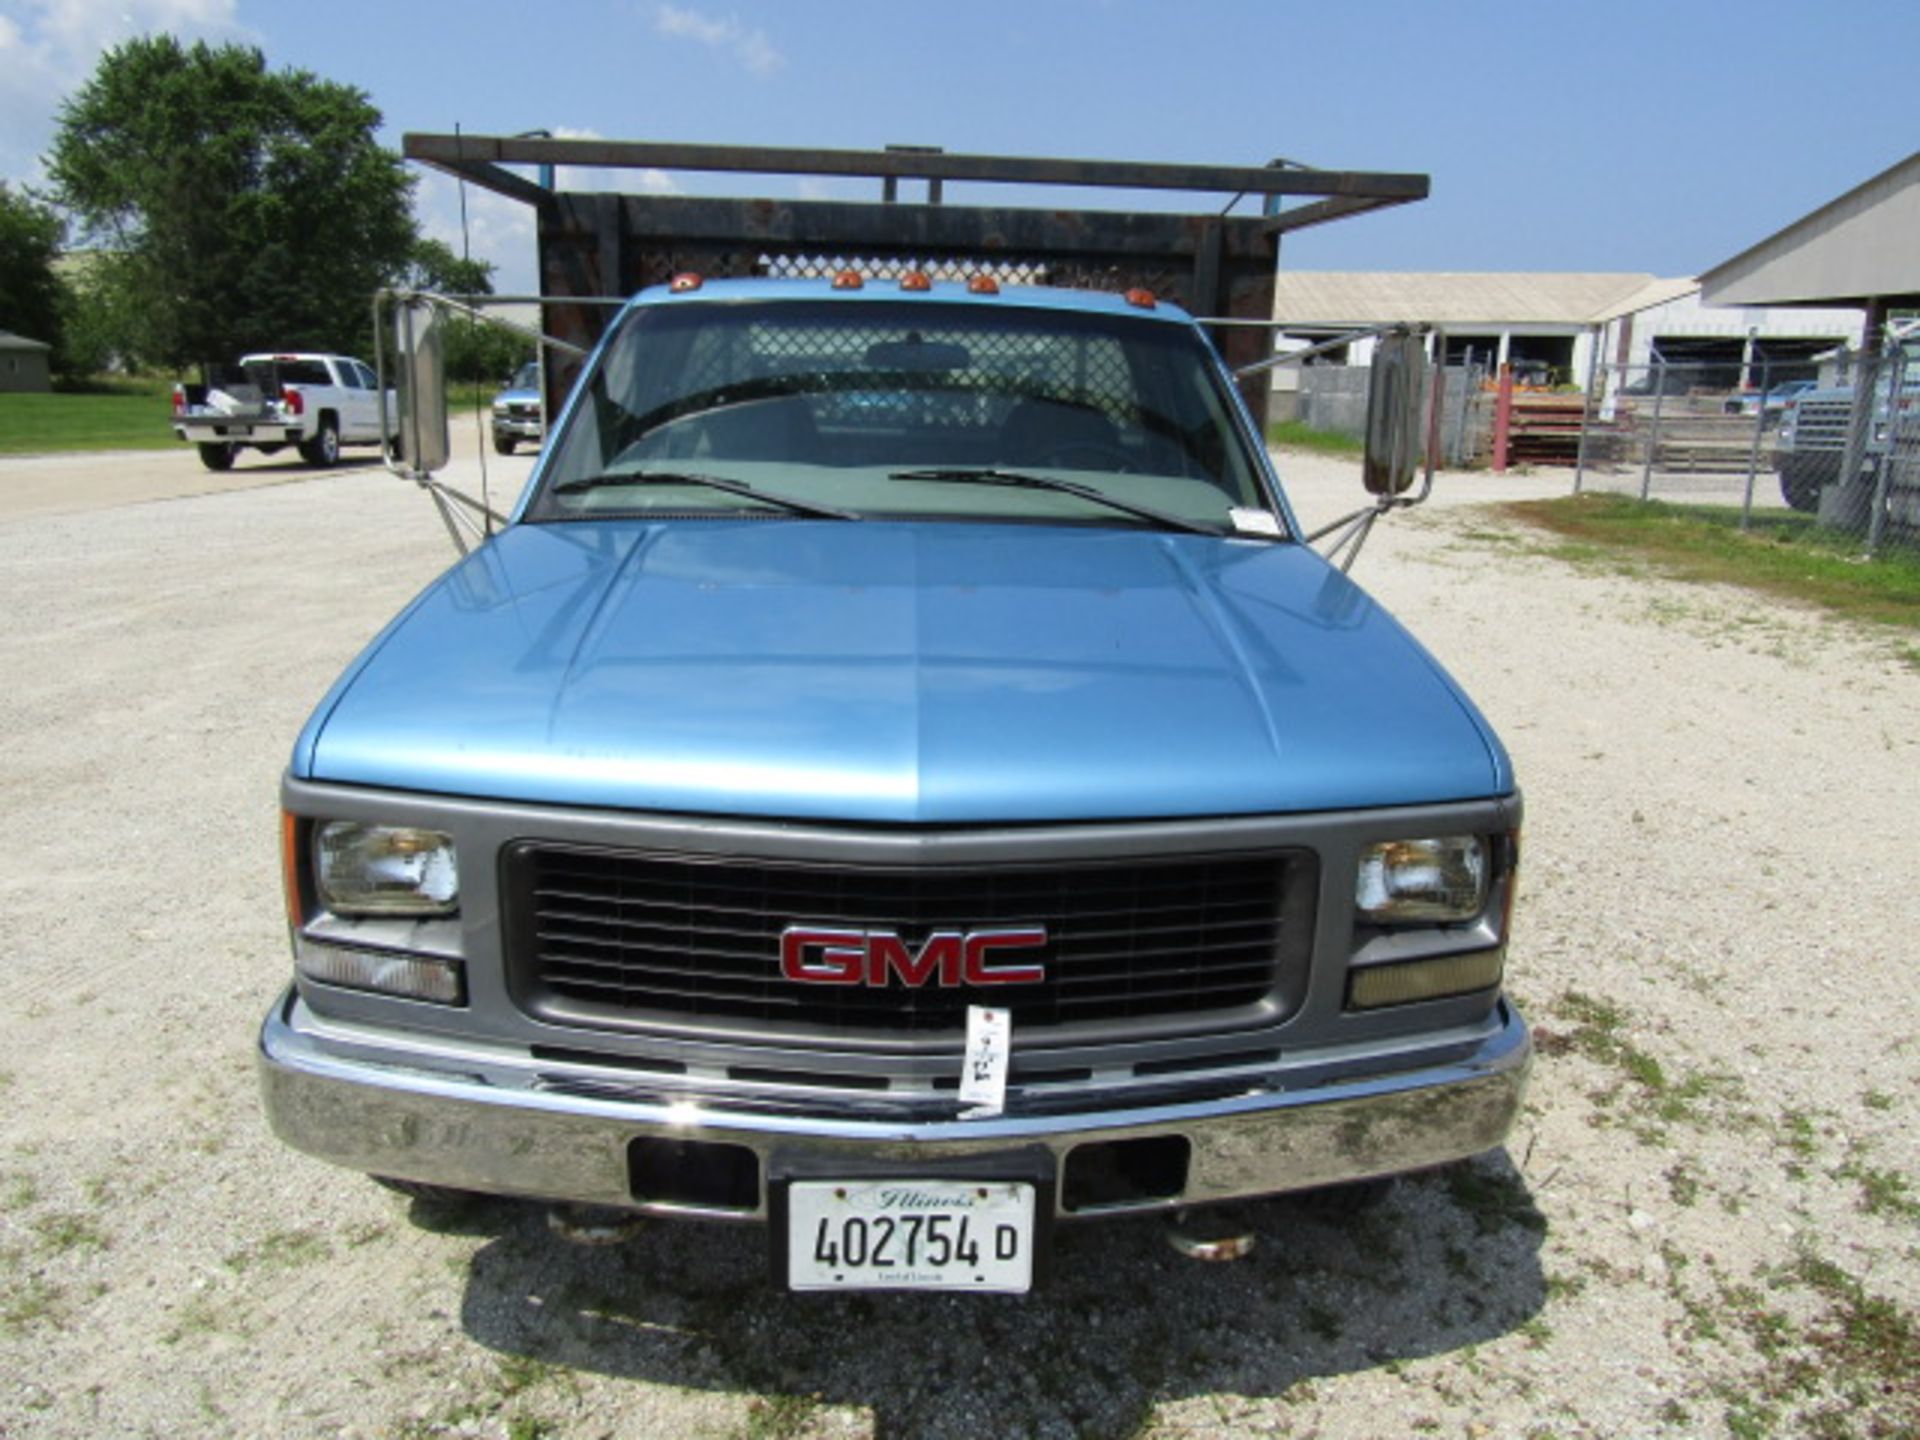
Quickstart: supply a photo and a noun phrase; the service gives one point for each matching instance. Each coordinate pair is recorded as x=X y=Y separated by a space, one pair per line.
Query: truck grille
x=601 y=936
x=1822 y=424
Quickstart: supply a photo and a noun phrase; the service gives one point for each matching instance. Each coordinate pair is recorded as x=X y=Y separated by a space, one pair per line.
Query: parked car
x=268 y=402
x=517 y=410
x=1773 y=402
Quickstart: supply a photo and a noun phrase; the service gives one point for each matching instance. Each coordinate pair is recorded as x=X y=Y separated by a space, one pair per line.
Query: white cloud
x=603 y=179
x=499 y=231
x=752 y=48
x=48 y=48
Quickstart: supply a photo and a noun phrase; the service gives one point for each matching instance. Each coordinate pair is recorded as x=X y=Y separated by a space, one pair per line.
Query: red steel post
x=1502 y=419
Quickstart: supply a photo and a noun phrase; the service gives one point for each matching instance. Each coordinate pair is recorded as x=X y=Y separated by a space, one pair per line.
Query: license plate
x=910 y=1235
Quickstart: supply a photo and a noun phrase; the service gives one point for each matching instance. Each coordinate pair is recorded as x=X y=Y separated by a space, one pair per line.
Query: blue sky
x=1630 y=136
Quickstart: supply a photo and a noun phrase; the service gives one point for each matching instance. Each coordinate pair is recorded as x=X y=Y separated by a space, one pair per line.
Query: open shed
x=1856 y=250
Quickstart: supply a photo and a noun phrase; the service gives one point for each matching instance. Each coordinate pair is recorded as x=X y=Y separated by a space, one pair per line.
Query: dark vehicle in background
x=1812 y=447
x=517 y=410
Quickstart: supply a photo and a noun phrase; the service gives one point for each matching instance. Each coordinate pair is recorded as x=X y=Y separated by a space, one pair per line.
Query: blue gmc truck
x=898 y=775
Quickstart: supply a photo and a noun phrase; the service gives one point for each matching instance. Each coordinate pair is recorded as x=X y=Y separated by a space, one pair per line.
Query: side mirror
x=1397 y=388
x=420 y=340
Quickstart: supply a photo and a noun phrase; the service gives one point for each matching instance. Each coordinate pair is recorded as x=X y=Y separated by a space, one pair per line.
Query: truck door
x=360 y=419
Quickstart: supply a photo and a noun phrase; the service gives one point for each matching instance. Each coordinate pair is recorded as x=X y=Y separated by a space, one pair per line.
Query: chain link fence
x=1769 y=440
x=1333 y=399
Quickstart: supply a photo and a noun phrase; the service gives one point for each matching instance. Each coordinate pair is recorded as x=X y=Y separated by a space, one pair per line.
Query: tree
x=32 y=299
x=249 y=209
x=434 y=266
x=475 y=349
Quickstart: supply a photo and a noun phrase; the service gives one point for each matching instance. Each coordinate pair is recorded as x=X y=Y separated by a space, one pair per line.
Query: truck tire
x=217 y=456
x=504 y=444
x=1801 y=480
x=324 y=449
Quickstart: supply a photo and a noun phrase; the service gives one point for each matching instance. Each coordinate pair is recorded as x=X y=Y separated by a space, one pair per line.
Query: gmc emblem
x=812 y=955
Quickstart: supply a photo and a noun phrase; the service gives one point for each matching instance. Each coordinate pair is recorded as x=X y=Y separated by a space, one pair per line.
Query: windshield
x=839 y=404
x=527 y=377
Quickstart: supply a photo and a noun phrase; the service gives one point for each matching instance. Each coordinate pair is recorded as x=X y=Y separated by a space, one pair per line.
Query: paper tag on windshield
x=1254 y=522
x=983 y=1073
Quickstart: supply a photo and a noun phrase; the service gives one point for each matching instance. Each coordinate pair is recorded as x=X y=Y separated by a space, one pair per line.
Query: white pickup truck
x=315 y=402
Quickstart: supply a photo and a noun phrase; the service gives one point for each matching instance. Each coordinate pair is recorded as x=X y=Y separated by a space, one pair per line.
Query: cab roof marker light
x=1142 y=297
x=686 y=281
x=916 y=280
x=849 y=280
x=983 y=285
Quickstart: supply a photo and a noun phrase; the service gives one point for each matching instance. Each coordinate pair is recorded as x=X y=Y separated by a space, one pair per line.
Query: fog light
x=415 y=977
x=1375 y=985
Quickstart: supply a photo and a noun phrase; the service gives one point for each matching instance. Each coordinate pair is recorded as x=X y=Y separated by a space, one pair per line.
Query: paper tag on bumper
x=983 y=1073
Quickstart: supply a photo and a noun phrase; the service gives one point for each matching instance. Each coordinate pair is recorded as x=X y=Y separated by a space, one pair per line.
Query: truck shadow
x=1451 y=1259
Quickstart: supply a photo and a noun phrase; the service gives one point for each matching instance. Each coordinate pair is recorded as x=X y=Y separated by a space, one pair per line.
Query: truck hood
x=901 y=673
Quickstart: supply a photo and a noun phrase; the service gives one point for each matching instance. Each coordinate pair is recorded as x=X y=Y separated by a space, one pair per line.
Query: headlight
x=385 y=870
x=1407 y=881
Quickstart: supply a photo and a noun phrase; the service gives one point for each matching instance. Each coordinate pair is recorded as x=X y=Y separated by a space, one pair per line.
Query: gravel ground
x=1707 y=1223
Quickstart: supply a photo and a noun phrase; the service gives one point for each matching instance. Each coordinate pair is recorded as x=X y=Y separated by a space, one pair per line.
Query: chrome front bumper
x=494 y=1129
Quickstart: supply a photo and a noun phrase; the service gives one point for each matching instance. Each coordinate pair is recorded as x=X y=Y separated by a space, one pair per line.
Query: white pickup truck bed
x=314 y=402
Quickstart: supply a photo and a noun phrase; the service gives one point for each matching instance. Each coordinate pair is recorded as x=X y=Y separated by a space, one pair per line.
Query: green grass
x=1301 y=437
x=1785 y=555
x=470 y=394
x=133 y=414
x=130 y=414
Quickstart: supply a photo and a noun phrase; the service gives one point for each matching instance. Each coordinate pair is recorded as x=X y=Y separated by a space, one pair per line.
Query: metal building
x=1550 y=326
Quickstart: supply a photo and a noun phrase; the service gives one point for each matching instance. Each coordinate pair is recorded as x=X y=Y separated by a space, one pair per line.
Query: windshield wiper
x=710 y=482
x=1020 y=480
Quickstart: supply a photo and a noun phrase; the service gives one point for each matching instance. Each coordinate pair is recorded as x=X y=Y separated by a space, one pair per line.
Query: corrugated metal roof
x=1359 y=297
x=1654 y=292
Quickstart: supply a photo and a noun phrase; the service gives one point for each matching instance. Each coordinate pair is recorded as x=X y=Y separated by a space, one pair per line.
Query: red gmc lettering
x=818 y=956
x=985 y=942
x=841 y=960
x=888 y=953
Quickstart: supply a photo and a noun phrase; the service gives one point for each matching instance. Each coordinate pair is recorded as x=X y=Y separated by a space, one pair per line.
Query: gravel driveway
x=1708 y=1221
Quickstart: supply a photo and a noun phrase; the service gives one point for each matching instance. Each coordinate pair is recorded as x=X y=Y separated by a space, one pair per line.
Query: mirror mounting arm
x=1402 y=427
x=416 y=440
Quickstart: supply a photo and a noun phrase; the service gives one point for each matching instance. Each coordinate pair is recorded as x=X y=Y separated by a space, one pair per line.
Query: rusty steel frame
x=1214 y=264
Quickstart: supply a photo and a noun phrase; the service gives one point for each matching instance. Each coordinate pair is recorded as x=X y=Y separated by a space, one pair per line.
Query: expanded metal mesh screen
x=955 y=377
x=658 y=267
